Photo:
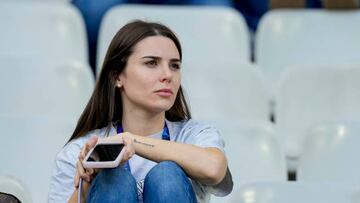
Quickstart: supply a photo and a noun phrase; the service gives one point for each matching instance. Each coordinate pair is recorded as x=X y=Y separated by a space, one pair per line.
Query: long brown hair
x=105 y=104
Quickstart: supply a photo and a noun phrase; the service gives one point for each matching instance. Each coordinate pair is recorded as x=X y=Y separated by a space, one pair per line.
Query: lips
x=164 y=92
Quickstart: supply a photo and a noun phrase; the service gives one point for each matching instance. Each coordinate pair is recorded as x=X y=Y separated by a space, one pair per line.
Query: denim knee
x=113 y=185
x=165 y=170
x=167 y=182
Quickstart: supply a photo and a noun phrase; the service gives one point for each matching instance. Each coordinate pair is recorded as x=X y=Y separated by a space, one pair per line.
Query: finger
x=128 y=154
x=92 y=141
x=89 y=171
x=126 y=139
x=76 y=180
x=129 y=143
x=117 y=138
x=82 y=172
x=80 y=169
x=88 y=145
x=125 y=155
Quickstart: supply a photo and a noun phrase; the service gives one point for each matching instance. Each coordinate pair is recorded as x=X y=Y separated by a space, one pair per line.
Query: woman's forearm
x=207 y=165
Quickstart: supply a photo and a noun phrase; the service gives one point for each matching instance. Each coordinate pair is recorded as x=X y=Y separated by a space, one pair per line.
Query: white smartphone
x=105 y=154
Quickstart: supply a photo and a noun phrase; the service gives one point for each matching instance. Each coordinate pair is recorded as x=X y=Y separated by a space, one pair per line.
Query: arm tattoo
x=143 y=143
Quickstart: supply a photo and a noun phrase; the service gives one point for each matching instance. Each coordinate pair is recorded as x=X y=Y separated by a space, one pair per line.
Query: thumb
x=90 y=144
x=92 y=141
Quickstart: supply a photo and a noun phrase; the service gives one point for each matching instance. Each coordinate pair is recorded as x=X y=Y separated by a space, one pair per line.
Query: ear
x=118 y=82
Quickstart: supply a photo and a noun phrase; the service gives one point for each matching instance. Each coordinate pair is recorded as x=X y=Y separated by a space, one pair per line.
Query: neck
x=143 y=124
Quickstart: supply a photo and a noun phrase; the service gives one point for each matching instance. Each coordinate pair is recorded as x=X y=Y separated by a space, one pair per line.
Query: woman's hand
x=89 y=173
x=128 y=140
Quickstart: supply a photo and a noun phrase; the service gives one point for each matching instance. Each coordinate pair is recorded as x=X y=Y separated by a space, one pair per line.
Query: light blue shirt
x=189 y=132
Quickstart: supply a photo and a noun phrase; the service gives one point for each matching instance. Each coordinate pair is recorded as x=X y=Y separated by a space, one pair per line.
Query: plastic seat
x=41 y=29
x=14 y=187
x=28 y=149
x=297 y=192
x=254 y=154
x=306 y=37
x=312 y=95
x=35 y=87
x=331 y=153
x=235 y=101
x=206 y=32
x=220 y=92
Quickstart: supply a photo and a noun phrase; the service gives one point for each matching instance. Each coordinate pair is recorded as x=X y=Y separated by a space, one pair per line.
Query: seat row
x=255 y=155
x=285 y=38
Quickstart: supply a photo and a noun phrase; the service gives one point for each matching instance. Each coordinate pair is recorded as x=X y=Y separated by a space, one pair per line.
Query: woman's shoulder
x=194 y=132
x=190 y=126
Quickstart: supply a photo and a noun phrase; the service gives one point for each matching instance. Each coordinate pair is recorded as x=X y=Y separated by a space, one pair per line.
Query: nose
x=166 y=73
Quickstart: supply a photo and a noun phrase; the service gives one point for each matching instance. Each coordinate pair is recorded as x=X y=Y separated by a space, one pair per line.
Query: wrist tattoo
x=143 y=143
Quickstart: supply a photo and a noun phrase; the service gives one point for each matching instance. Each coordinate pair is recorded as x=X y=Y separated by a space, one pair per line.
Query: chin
x=162 y=107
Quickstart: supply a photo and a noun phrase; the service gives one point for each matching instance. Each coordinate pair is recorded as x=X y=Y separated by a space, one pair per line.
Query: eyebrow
x=157 y=58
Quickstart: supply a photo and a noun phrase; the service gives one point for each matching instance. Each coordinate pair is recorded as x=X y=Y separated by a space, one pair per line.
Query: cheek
x=177 y=82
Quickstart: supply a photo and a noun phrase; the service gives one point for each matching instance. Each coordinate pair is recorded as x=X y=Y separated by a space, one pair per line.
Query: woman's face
x=152 y=77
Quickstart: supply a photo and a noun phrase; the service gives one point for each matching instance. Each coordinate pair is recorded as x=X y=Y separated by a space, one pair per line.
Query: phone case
x=103 y=164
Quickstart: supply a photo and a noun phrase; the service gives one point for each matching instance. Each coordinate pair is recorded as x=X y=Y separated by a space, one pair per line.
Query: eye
x=175 y=66
x=151 y=63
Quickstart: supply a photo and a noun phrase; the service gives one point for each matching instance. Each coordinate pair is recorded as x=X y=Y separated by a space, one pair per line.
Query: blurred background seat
x=312 y=95
x=224 y=91
x=254 y=154
x=93 y=12
x=206 y=32
x=11 y=187
x=330 y=153
x=36 y=87
x=306 y=37
x=42 y=29
x=29 y=146
x=296 y=192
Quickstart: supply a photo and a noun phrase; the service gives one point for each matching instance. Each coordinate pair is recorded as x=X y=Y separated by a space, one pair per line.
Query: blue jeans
x=166 y=182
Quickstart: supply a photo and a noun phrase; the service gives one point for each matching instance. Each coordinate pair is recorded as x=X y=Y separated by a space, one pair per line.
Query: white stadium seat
x=254 y=154
x=205 y=32
x=35 y=87
x=220 y=92
x=306 y=37
x=297 y=192
x=28 y=149
x=331 y=153
x=312 y=95
x=42 y=30
x=15 y=187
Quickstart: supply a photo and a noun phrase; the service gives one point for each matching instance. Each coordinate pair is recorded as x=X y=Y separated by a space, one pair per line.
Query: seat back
x=205 y=32
x=297 y=192
x=28 y=149
x=48 y=30
x=35 y=87
x=312 y=95
x=12 y=189
x=330 y=153
x=225 y=92
x=254 y=154
x=306 y=37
